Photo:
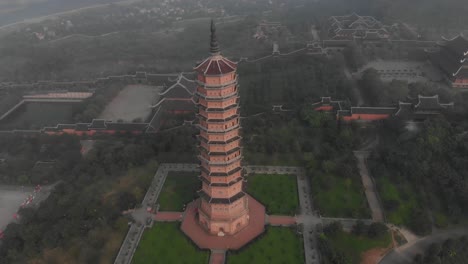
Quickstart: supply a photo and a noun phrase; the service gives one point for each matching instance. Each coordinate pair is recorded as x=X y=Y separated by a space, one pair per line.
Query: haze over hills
x=12 y=11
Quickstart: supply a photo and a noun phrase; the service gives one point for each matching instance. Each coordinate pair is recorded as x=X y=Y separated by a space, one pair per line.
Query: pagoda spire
x=214 y=47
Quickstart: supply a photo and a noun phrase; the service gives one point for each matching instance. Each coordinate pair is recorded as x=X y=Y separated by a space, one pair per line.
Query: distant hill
x=12 y=11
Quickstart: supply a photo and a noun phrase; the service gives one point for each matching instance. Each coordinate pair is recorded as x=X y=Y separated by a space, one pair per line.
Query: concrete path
x=218 y=256
x=143 y=216
x=281 y=220
x=369 y=186
x=168 y=216
x=308 y=218
x=406 y=253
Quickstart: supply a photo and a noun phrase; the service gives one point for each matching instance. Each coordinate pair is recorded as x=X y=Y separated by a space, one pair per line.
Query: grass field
x=343 y=198
x=165 y=243
x=277 y=192
x=277 y=246
x=353 y=246
x=391 y=192
x=271 y=159
x=179 y=189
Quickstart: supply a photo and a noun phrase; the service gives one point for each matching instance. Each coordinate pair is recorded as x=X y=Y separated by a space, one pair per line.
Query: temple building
x=352 y=27
x=223 y=208
x=450 y=57
x=416 y=109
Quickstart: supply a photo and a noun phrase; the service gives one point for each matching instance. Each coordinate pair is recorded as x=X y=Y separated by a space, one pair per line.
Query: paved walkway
x=168 y=216
x=369 y=186
x=308 y=218
x=281 y=220
x=143 y=216
x=218 y=256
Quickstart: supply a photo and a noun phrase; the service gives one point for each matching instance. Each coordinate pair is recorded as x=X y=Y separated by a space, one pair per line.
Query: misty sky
x=7 y=6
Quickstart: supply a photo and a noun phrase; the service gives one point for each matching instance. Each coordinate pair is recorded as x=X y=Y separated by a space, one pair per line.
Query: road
x=406 y=253
x=369 y=186
x=356 y=91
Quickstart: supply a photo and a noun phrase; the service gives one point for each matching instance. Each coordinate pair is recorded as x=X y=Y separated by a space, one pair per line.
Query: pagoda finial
x=214 y=47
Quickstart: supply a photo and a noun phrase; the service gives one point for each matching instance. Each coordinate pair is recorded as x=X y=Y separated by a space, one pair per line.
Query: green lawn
x=276 y=191
x=165 y=243
x=339 y=197
x=391 y=192
x=353 y=246
x=271 y=159
x=278 y=245
x=179 y=189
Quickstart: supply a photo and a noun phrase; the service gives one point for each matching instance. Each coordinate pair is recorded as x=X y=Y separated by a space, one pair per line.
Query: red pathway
x=204 y=240
x=217 y=257
x=281 y=220
x=168 y=216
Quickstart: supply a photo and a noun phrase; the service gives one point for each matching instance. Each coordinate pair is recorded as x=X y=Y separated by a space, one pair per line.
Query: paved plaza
x=132 y=102
x=11 y=198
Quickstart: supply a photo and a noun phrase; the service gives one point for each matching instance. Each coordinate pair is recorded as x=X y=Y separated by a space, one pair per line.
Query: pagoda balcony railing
x=217 y=115
x=217 y=120
x=203 y=108
x=220 y=153
x=216 y=86
x=217 y=163
x=219 y=174
x=219 y=184
x=205 y=143
x=237 y=126
x=221 y=100
x=216 y=97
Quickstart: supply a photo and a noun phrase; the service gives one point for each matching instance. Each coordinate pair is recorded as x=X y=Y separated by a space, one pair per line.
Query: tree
x=333 y=228
x=359 y=228
x=126 y=201
x=377 y=230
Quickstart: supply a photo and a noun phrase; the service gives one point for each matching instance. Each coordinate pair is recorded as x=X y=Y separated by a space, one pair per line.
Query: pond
x=36 y=115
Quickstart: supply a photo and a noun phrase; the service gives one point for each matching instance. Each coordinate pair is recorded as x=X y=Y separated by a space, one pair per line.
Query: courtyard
x=278 y=192
x=179 y=189
x=36 y=115
x=276 y=245
x=133 y=102
x=339 y=197
x=165 y=243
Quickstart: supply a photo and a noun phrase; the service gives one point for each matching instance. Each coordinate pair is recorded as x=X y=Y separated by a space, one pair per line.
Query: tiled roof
x=404 y=109
x=428 y=103
x=216 y=65
x=446 y=61
x=458 y=45
x=373 y=110
x=126 y=126
x=98 y=124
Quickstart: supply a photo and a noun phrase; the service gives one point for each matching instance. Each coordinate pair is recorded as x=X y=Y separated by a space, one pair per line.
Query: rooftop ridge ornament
x=214 y=46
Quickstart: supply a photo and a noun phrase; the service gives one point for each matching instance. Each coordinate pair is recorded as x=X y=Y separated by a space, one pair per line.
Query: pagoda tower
x=223 y=208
